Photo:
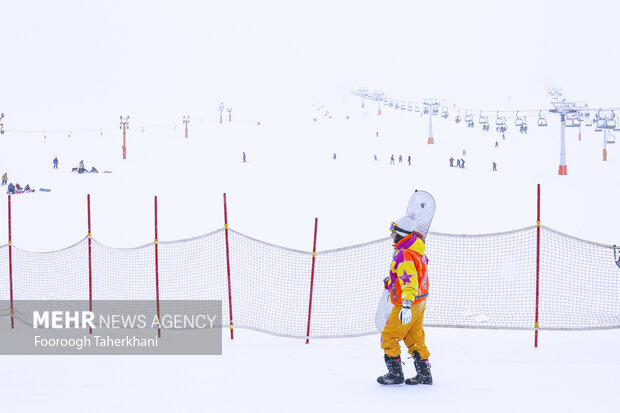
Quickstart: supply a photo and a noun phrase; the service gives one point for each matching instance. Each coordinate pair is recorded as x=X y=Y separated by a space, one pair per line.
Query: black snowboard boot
x=395 y=371
x=423 y=368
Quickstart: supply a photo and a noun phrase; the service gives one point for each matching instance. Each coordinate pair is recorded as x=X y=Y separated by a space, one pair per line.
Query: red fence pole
x=228 y=269
x=11 y=266
x=537 y=267
x=90 y=266
x=316 y=223
x=157 y=272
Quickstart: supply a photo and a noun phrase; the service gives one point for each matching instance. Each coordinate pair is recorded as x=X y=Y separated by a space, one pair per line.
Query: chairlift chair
x=396 y=104
x=500 y=120
x=417 y=107
x=611 y=138
x=588 y=121
x=483 y=120
x=572 y=123
x=444 y=112
x=402 y=106
x=391 y=103
x=518 y=120
x=541 y=119
x=611 y=123
x=469 y=118
x=601 y=123
x=435 y=110
x=409 y=106
x=426 y=110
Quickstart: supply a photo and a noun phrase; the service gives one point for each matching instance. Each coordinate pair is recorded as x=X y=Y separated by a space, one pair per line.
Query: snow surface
x=66 y=81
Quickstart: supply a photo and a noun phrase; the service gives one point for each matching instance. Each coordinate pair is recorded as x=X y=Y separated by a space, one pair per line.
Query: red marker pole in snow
x=537 y=268
x=90 y=267
x=228 y=270
x=11 y=266
x=157 y=272
x=186 y=122
x=124 y=126
x=316 y=223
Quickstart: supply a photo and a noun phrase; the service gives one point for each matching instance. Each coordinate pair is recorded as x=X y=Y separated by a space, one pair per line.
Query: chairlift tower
x=379 y=97
x=433 y=107
x=581 y=107
x=124 y=126
x=221 y=108
x=229 y=110
x=563 y=108
x=186 y=122
x=605 y=121
x=363 y=93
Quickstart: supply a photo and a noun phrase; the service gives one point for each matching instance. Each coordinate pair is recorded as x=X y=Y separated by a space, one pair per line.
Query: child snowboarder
x=408 y=289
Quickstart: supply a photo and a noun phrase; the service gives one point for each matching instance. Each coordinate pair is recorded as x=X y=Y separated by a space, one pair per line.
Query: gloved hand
x=385 y=282
x=405 y=312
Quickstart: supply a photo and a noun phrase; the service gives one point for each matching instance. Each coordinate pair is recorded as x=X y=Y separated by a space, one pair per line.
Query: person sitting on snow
x=18 y=187
x=94 y=170
x=27 y=188
x=11 y=188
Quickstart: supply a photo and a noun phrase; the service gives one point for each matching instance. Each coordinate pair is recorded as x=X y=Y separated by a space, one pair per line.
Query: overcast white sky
x=75 y=64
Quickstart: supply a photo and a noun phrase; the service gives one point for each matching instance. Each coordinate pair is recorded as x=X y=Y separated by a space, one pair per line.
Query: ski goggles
x=394 y=227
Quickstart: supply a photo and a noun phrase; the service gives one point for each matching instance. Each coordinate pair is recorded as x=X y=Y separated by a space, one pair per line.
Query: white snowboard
x=383 y=310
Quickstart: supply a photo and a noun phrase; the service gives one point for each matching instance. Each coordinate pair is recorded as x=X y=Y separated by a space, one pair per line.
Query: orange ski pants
x=412 y=333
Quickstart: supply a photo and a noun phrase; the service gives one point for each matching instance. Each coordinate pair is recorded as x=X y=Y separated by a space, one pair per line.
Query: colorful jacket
x=408 y=278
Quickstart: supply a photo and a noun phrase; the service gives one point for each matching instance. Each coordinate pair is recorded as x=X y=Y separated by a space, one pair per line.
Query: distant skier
x=11 y=188
x=244 y=157
x=496 y=144
x=464 y=153
x=409 y=160
x=494 y=166
x=377 y=135
x=334 y=155
x=462 y=163
x=81 y=168
x=375 y=157
x=5 y=178
x=458 y=163
x=451 y=161
x=407 y=286
x=400 y=159
x=55 y=162
x=392 y=160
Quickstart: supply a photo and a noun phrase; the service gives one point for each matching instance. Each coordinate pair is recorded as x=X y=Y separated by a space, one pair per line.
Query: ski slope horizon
x=287 y=182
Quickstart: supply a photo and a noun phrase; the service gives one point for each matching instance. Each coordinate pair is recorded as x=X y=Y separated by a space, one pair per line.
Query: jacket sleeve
x=408 y=279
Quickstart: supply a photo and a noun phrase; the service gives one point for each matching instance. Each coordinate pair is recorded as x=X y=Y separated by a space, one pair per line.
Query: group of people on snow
x=460 y=163
x=81 y=169
x=17 y=189
x=400 y=159
x=14 y=189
